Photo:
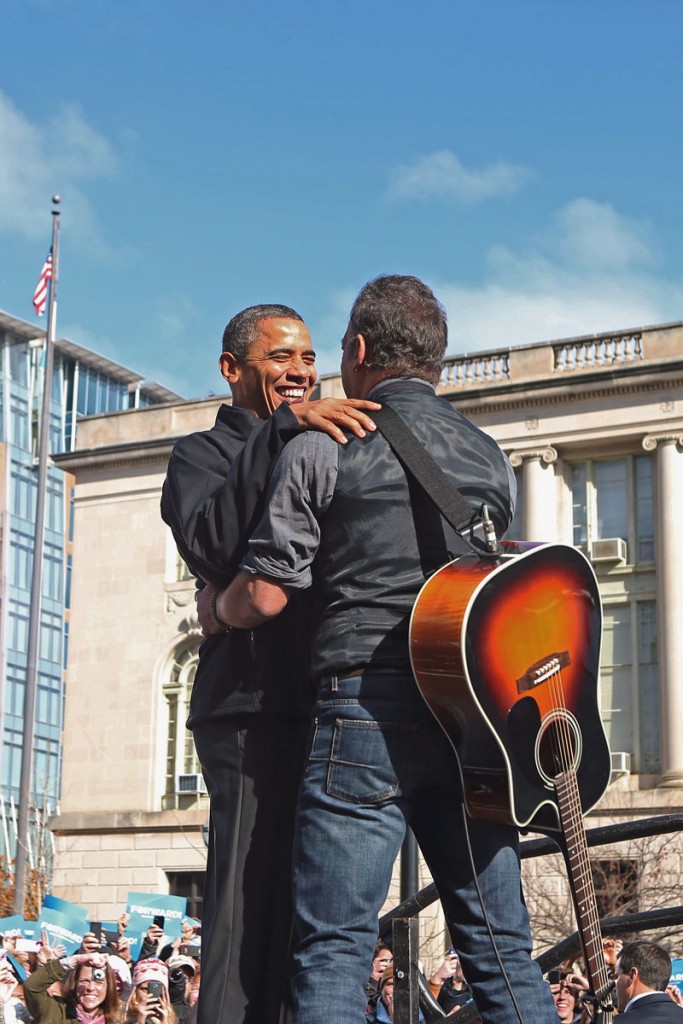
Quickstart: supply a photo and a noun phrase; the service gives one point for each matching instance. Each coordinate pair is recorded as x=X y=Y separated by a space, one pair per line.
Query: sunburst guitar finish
x=506 y=654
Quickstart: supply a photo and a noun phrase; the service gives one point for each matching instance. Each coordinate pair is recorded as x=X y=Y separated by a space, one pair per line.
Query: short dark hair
x=653 y=963
x=404 y=326
x=239 y=334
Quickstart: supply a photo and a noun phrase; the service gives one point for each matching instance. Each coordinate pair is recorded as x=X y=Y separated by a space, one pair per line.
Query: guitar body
x=506 y=654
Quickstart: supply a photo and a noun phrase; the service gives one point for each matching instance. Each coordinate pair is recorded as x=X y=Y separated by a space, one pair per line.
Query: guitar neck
x=575 y=850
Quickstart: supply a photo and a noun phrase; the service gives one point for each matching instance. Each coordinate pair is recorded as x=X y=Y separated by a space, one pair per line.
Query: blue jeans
x=379 y=762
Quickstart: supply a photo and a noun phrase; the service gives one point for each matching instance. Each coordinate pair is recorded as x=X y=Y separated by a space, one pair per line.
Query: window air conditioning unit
x=621 y=762
x=611 y=549
x=190 y=785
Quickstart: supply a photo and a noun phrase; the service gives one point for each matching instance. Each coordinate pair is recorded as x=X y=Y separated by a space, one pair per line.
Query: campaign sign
x=62 y=929
x=31 y=930
x=150 y=905
x=677 y=972
x=135 y=930
x=51 y=902
x=13 y=925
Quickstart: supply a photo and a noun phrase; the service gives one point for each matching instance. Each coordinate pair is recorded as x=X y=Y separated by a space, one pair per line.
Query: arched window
x=183 y=774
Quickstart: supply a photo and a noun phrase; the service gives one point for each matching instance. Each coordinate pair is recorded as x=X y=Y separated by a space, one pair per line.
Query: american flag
x=40 y=294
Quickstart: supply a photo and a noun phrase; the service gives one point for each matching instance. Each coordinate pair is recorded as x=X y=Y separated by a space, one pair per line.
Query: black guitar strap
x=474 y=526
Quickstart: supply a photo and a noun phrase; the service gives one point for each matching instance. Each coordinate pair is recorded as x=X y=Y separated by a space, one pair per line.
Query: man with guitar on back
x=356 y=527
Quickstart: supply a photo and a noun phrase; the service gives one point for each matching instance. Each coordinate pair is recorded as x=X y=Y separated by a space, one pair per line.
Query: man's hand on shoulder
x=335 y=415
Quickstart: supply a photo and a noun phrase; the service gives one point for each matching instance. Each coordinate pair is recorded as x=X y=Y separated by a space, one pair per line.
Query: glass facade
x=79 y=389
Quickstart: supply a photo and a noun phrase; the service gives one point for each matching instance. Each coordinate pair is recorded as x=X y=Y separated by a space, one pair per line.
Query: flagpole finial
x=56 y=199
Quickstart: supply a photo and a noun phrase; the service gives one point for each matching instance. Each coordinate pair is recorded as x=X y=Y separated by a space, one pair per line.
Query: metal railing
x=411 y=990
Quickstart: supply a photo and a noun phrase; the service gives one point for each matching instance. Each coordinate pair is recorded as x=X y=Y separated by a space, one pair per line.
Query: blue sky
x=524 y=158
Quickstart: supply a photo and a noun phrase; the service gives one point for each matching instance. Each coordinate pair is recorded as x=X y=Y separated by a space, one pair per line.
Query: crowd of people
x=640 y=974
x=101 y=983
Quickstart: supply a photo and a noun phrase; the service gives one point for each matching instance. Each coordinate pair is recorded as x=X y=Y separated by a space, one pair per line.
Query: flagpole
x=23 y=823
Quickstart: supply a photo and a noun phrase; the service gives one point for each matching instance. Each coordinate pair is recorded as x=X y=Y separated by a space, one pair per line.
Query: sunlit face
x=279 y=367
x=387 y=996
x=624 y=986
x=565 y=1001
x=90 y=993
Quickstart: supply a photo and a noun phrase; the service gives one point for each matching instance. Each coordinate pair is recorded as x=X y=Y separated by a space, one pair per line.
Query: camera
x=177 y=976
x=98 y=974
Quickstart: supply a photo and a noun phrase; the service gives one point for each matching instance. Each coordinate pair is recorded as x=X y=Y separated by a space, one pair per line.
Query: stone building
x=594 y=429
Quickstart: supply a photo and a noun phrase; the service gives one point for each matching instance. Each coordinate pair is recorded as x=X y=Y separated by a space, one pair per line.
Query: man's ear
x=229 y=367
x=361 y=350
x=358 y=352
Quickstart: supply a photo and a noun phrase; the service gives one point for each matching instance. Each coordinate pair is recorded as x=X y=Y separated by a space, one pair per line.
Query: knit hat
x=151 y=969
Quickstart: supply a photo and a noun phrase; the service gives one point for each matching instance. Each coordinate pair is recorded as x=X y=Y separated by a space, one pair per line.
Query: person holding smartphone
x=150 y=1002
x=89 y=990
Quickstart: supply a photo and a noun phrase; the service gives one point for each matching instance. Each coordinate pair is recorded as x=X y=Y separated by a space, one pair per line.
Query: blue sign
x=149 y=905
x=63 y=929
x=677 y=973
x=51 y=902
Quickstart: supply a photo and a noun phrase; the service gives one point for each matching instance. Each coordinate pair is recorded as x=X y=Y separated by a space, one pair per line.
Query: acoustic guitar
x=506 y=654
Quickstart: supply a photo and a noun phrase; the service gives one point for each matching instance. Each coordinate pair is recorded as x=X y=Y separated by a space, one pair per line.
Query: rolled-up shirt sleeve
x=286 y=539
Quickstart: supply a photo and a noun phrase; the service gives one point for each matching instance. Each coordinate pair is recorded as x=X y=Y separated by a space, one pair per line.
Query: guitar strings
x=562 y=749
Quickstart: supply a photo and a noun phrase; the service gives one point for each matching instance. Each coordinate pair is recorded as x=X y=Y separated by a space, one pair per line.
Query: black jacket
x=211 y=499
x=381 y=536
x=655 y=1007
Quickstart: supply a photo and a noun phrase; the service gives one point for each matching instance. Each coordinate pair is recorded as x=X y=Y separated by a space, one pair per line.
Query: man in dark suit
x=643 y=973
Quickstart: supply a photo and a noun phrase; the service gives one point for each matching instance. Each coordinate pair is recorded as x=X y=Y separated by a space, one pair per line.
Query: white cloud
x=591 y=273
x=442 y=175
x=40 y=160
x=594 y=233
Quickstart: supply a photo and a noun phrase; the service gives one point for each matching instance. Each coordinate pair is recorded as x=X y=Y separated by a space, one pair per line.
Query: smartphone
x=159 y=920
x=554 y=977
x=96 y=929
x=154 y=989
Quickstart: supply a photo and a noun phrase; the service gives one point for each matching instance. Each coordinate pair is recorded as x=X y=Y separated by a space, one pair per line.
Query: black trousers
x=252 y=766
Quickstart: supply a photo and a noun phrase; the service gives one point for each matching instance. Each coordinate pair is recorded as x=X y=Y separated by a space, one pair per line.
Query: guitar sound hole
x=558 y=745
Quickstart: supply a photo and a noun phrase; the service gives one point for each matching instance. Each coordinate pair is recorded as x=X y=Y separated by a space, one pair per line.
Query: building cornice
x=100 y=822
x=154 y=451
x=547 y=391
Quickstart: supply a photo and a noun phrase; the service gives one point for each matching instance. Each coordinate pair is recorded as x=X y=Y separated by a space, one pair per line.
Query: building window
x=189 y=884
x=616 y=886
x=629 y=682
x=181 y=757
x=612 y=499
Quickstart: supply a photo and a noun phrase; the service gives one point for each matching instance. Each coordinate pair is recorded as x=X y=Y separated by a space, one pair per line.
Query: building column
x=669 y=549
x=539 y=495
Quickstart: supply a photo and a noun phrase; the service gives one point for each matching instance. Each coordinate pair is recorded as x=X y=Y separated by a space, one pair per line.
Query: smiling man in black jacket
x=250 y=703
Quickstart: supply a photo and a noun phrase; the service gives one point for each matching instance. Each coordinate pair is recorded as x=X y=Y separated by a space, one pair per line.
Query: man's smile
x=291 y=394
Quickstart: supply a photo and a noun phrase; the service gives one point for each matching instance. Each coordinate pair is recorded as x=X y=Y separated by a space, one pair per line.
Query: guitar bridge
x=542 y=670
